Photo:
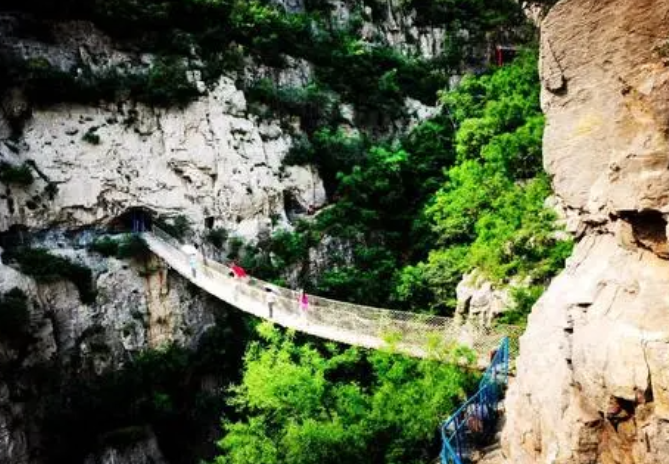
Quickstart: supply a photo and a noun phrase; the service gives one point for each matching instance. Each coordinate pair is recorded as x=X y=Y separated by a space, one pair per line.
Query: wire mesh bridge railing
x=414 y=334
x=474 y=424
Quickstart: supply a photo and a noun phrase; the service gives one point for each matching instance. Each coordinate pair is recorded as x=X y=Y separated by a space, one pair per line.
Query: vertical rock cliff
x=592 y=384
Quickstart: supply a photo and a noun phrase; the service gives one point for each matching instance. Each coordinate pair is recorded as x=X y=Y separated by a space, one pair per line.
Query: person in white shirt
x=271 y=300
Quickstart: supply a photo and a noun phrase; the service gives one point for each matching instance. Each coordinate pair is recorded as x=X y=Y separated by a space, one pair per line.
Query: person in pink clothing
x=304 y=302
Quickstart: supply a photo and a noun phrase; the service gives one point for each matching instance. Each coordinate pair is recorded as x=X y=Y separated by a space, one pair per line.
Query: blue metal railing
x=474 y=424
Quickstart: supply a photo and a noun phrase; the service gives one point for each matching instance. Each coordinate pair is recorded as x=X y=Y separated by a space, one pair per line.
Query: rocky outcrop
x=606 y=89
x=390 y=22
x=479 y=301
x=592 y=384
x=209 y=160
x=139 y=305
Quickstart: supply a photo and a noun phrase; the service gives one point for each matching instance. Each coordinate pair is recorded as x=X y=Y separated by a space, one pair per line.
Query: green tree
x=489 y=213
x=306 y=405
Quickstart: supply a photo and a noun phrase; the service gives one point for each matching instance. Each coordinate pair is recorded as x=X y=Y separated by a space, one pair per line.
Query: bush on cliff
x=45 y=267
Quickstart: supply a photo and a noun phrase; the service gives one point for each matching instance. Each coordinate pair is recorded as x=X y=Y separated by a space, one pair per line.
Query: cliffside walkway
x=474 y=426
x=413 y=334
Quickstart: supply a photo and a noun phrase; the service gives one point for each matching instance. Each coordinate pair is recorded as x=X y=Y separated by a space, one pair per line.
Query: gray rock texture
x=592 y=383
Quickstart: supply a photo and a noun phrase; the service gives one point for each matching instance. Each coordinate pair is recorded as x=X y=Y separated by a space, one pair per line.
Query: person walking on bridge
x=304 y=303
x=271 y=300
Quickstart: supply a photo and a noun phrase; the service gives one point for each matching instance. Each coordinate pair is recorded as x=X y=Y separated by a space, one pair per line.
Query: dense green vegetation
x=302 y=405
x=489 y=215
x=463 y=191
x=213 y=37
x=46 y=267
x=160 y=391
x=125 y=247
x=176 y=226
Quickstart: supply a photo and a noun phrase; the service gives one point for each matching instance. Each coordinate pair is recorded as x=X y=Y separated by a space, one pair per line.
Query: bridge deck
x=410 y=333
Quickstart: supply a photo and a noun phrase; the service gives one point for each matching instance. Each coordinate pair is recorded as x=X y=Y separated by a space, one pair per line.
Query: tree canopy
x=307 y=404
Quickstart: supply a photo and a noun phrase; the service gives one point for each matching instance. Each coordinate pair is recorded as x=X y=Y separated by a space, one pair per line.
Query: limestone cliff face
x=211 y=159
x=207 y=160
x=592 y=384
x=393 y=23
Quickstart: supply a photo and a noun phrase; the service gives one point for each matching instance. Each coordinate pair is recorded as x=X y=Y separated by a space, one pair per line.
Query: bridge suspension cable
x=418 y=335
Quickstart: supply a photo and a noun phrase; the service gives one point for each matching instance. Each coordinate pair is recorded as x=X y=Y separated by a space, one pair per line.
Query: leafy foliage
x=45 y=267
x=161 y=390
x=305 y=405
x=489 y=215
x=164 y=83
x=217 y=237
x=212 y=36
x=128 y=246
x=17 y=175
x=91 y=136
x=177 y=226
x=464 y=190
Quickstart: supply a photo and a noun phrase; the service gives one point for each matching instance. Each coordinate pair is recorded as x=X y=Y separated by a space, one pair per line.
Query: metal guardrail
x=474 y=424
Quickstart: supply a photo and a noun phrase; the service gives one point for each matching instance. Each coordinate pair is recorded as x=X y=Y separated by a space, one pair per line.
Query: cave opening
x=292 y=206
x=649 y=229
x=134 y=219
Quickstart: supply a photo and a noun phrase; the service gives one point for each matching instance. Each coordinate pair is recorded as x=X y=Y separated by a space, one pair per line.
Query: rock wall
x=391 y=22
x=208 y=160
x=211 y=159
x=480 y=301
x=134 y=309
x=592 y=384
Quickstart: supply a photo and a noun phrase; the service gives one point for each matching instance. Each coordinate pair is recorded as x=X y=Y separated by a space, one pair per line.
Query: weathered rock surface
x=208 y=160
x=211 y=159
x=592 y=384
x=606 y=99
x=479 y=300
x=139 y=305
x=597 y=336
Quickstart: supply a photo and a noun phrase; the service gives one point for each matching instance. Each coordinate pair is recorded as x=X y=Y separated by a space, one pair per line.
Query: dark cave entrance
x=650 y=230
x=291 y=205
x=135 y=219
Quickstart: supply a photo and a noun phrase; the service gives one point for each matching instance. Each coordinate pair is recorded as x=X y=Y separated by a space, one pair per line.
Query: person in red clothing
x=238 y=271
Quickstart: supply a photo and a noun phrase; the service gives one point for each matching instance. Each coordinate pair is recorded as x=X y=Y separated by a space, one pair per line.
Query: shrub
x=166 y=84
x=18 y=175
x=315 y=106
x=235 y=245
x=217 y=237
x=132 y=246
x=91 y=136
x=177 y=226
x=128 y=246
x=44 y=267
x=106 y=246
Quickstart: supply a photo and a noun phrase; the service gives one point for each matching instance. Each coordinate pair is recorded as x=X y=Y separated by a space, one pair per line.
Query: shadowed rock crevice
x=649 y=229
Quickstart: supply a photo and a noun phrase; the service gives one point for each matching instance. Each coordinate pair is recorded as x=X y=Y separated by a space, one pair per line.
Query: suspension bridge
x=417 y=335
